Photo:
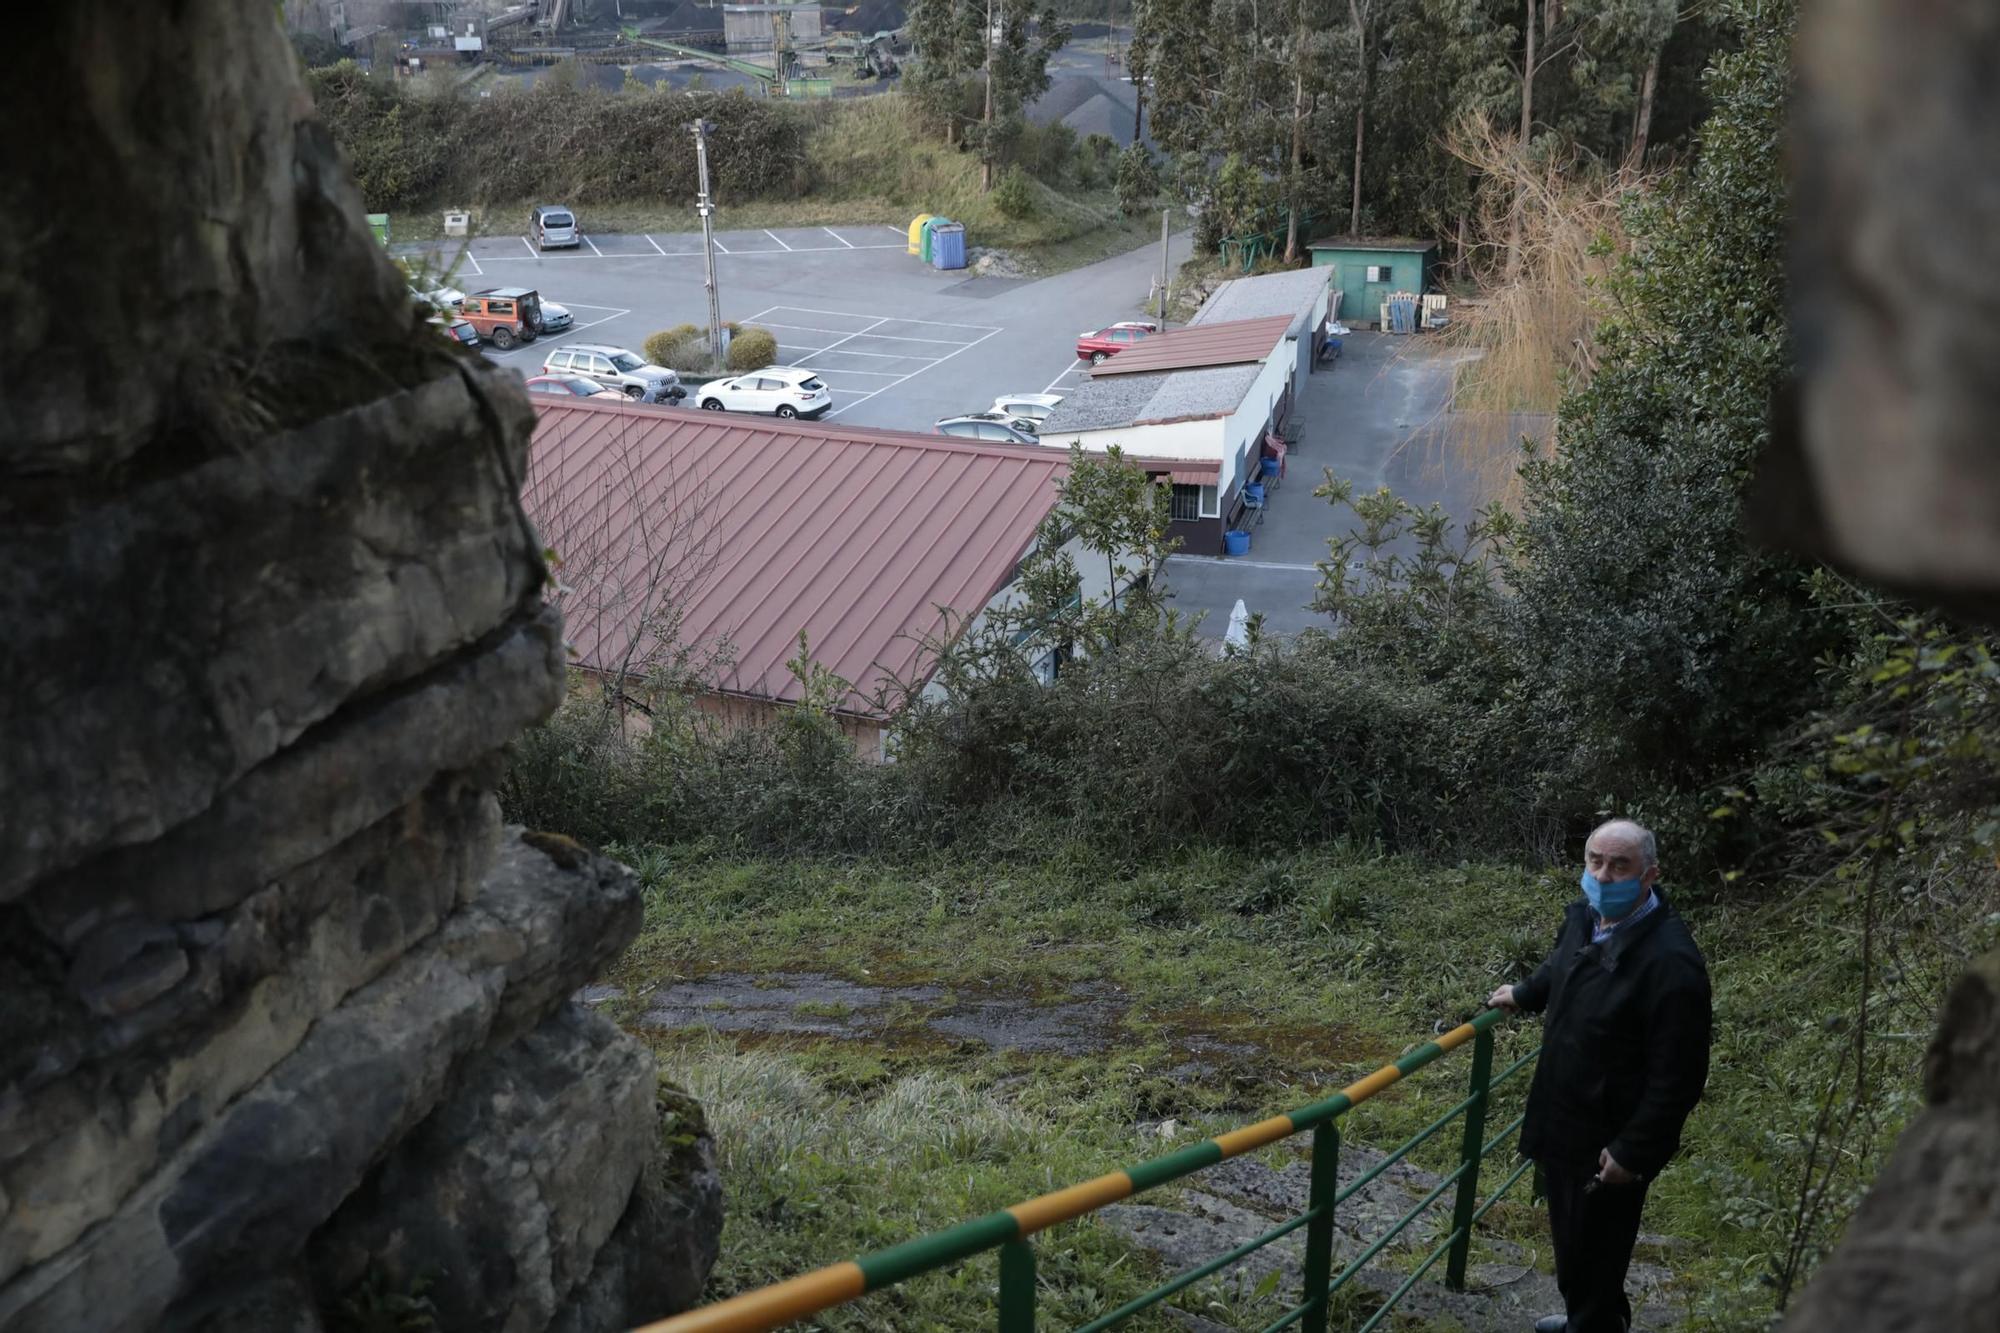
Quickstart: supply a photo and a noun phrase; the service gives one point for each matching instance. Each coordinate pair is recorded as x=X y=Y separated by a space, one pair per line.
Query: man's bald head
x=1620 y=850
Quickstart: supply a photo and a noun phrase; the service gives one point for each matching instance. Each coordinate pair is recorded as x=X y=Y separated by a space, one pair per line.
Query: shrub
x=1138 y=180
x=662 y=347
x=752 y=349
x=1014 y=195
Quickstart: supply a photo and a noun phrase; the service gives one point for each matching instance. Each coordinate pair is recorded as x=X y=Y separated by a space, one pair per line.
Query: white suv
x=615 y=368
x=779 y=389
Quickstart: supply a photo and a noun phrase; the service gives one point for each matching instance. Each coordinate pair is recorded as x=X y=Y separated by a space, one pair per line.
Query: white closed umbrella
x=1237 y=636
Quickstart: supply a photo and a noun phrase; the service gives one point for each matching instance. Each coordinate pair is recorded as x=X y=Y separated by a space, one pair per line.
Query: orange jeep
x=504 y=320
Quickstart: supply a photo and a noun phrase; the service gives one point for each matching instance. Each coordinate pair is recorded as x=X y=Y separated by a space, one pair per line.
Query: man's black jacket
x=1625 y=1043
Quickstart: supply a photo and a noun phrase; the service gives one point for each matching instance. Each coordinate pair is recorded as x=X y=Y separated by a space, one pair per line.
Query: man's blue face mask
x=1612 y=901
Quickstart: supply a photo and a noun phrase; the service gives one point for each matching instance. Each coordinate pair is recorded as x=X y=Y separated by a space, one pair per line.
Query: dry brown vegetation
x=1549 y=230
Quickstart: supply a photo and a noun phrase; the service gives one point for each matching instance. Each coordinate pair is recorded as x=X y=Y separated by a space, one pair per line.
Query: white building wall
x=1175 y=439
x=1242 y=432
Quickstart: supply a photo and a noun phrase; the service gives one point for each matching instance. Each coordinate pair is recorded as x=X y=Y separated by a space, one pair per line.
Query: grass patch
x=1327 y=963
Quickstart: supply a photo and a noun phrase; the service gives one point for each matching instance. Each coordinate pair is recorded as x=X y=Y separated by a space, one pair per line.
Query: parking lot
x=901 y=344
x=861 y=356
x=501 y=252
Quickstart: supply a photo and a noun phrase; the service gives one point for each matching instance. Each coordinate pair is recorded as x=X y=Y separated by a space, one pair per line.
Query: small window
x=769 y=385
x=559 y=361
x=499 y=307
x=1381 y=273
x=1211 y=502
x=1187 y=502
x=600 y=365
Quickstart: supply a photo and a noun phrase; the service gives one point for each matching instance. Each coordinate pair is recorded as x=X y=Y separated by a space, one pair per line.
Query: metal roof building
x=1300 y=296
x=1207 y=396
x=707 y=528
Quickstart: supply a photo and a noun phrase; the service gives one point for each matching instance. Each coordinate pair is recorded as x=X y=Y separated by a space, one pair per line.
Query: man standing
x=1624 y=1059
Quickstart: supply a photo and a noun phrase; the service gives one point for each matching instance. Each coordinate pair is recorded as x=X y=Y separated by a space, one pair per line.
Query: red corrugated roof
x=750 y=530
x=1234 y=343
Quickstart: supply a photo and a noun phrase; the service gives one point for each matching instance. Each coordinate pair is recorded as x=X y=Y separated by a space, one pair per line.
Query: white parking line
x=774 y=236
x=888 y=356
x=937 y=324
x=885 y=337
x=593 y=246
x=531 y=249
x=850 y=337
x=477 y=271
x=1074 y=366
x=656 y=246
x=838 y=237
x=736 y=254
x=893 y=383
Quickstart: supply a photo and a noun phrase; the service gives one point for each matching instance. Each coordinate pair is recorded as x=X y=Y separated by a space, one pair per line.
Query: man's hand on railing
x=1502 y=998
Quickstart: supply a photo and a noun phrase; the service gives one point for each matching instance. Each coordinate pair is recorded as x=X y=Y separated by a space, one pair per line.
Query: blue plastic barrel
x=1270 y=467
x=948 y=246
x=1236 y=542
x=1254 y=492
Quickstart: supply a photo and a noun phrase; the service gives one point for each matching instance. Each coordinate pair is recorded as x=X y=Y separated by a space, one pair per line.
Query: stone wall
x=1883 y=462
x=286 y=1008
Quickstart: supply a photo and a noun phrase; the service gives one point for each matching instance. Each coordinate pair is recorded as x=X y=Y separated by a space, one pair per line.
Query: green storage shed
x=1368 y=268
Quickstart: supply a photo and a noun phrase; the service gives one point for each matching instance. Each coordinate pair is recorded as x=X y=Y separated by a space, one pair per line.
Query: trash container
x=948 y=246
x=457 y=222
x=931 y=225
x=916 y=236
x=1236 y=542
x=379 y=224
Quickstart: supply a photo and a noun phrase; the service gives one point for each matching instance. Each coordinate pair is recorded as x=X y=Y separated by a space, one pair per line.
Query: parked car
x=548 y=317
x=438 y=298
x=553 y=227
x=571 y=386
x=779 y=389
x=989 y=426
x=556 y=318
x=1111 y=339
x=1034 y=407
x=615 y=368
x=504 y=320
x=458 y=330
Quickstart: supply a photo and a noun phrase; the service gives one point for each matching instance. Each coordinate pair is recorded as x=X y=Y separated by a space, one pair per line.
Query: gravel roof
x=1292 y=294
x=1135 y=400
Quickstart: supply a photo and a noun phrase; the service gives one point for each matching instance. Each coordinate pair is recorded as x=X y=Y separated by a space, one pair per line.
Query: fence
x=1009 y=1229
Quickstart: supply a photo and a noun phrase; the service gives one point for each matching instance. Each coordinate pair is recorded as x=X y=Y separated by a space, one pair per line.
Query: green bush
x=1138 y=181
x=752 y=349
x=661 y=348
x=1013 y=194
x=581 y=145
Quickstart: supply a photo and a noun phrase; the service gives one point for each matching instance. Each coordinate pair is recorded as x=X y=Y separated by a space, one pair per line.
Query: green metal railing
x=1008 y=1230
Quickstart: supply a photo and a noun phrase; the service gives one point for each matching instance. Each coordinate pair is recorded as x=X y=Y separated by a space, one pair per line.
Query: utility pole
x=707 y=211
x=986 y=141
x=1165 y=289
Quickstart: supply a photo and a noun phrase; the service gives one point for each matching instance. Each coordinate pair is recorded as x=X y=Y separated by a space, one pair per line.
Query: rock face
x=1885 y=465
x=286 y=1008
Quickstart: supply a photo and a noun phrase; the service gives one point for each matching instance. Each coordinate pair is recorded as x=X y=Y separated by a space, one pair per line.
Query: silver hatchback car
x=553 y=227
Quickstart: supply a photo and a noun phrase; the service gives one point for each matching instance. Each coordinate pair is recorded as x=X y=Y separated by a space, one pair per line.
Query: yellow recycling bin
x=917 y=232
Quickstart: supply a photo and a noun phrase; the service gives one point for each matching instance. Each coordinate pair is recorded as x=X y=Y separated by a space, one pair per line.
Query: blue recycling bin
x=1236 y=542
x=948 y=246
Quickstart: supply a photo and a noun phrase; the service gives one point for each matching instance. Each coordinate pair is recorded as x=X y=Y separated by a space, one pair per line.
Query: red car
x=1112 y=339
x=571 y=386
